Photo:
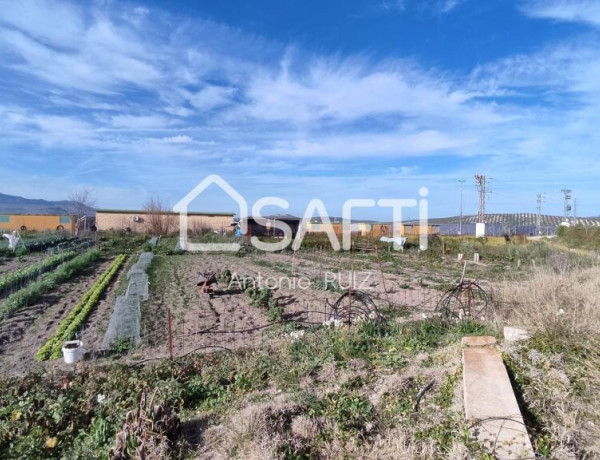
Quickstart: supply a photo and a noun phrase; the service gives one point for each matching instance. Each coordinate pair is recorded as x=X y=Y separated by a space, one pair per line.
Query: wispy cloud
x=106 y=59
x=585 y=11
x=393 y=5
x=397 y=145
x=432 y=6
x=211 y=97
x=445 y=6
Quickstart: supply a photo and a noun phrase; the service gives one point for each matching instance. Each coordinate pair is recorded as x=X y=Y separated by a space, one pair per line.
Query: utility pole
x=575 y=208
x=461 y=181
x=567 y=209
x=480 y=181
x=538 y=214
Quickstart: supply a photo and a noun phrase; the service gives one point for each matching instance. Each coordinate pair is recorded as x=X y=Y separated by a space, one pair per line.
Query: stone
x=513 y=334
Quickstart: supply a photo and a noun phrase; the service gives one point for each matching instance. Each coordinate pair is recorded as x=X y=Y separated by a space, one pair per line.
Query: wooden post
x=170 y=317
x=387 y=299
x=306 y=306
x=350 y=295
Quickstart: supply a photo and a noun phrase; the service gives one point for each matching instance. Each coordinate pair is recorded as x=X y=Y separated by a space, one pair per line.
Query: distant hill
x=11 y=204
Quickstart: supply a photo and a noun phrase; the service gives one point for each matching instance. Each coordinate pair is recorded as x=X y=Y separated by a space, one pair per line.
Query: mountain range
x=11 y=204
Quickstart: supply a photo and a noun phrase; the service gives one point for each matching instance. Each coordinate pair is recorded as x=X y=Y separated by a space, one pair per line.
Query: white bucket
x=72 y=351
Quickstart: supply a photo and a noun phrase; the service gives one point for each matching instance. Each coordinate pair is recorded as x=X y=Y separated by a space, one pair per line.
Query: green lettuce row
x=99 y=286
x=79 y=313
x=46 y=283
x=23 y=274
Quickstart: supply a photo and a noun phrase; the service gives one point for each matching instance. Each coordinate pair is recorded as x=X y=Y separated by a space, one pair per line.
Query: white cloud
x=53 y=23
x=97 y=68
x=179 y=139
x=98 y=57
x=211 y=97
x=140 y=122
x=351 y=90
x=562 y=69
x=395 y=144
x=586 y=11
x=48 y=130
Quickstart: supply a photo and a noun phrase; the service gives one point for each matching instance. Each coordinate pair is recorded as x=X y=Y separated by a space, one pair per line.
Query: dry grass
x=557 y=372
x=564 y=306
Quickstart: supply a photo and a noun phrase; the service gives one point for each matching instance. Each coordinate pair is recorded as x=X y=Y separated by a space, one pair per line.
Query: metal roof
x=137 y=211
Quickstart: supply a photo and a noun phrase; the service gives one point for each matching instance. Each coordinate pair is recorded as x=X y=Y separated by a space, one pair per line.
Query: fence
x=496 y=229
x=125 y=321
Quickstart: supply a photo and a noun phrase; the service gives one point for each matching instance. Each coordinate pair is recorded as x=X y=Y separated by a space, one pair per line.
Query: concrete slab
x=491 y=405
x=478 y=341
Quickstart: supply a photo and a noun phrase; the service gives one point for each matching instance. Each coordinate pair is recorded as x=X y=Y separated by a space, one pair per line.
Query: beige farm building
x=137 y=221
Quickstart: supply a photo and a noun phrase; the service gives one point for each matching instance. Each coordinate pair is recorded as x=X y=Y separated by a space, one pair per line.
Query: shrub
x=580 y=237
x=274 y=313
x=261 y=297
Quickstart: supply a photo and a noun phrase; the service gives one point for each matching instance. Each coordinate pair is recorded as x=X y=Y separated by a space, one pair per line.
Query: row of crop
x=25 y=274
x=39 y=242
x=79 y=313
x=47 y=282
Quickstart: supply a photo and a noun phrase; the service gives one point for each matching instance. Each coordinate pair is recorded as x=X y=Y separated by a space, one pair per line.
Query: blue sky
x=315 y=99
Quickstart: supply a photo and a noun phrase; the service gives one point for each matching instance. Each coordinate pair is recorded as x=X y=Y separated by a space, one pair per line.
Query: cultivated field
x=312 y=354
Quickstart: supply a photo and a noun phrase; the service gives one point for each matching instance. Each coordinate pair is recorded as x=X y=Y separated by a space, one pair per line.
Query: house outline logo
x=182 y=208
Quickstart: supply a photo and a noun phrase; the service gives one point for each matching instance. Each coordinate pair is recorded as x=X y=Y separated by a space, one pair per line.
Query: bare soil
x=224 y=320
x=14 y=263
x=27 y=330
x=227 y=320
